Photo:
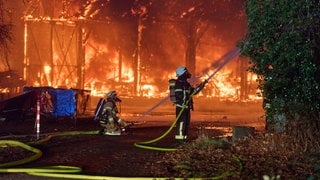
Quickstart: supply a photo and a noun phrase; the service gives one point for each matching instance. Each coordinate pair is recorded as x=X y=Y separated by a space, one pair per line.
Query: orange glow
x=105 y=69
x=4 y=90
x=81 y=46
x=47 y=69
x=47 y=72
x=127 y=74
x=220 y=86
x=148 y=90
x=99 y=81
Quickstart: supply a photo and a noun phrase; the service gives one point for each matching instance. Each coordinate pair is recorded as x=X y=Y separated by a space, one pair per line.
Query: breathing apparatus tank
x=172 y=83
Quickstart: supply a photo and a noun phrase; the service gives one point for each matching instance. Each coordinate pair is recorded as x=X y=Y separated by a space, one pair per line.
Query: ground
x=117 y=155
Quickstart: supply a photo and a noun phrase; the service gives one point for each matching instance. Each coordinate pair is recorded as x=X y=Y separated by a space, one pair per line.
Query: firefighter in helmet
x=111 y=123
x=183 y=101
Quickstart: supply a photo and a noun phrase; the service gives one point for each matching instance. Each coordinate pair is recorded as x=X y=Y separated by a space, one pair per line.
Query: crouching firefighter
x=183 y=93
x=107 y=114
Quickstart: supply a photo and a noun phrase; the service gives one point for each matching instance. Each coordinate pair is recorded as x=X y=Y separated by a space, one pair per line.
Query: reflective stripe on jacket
x=183 y=91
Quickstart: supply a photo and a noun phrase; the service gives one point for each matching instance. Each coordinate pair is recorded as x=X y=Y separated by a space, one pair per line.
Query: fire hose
x=60 y=171
x=38 y=153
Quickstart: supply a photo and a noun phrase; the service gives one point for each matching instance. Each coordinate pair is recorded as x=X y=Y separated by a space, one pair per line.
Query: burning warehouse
x=132 y=46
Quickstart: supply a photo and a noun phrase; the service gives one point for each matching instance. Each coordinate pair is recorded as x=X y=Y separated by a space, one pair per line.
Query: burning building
x=133 y=46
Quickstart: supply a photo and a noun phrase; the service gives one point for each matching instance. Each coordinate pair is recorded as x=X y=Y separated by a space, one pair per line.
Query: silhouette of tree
x=5 y=35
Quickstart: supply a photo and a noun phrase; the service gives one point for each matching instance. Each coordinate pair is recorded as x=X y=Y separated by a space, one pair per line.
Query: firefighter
x=111 y=123
x=183 y=101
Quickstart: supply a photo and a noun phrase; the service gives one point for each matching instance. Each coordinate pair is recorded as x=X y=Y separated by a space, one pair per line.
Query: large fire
x=222 y=86
x=225 y=85
x=65 y=50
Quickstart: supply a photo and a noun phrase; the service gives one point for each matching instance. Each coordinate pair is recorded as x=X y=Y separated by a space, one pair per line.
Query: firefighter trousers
x=183 y=123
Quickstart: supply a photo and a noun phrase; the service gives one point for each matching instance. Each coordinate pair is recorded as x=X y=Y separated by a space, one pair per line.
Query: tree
x=193 y=18
x=5 y=35
x=283 y=45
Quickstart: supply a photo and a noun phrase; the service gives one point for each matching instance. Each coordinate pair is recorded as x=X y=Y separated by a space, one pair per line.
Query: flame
x=105 y=70
x=4 y=90
x=148 y=90
x=226 y=87
x=47 y=69
x=220 y=86
x=99 y=81
x=102 y=69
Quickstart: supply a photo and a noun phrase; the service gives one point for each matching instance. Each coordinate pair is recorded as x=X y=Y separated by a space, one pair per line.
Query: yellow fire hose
x=68 y=133
x=38 y=153
x=145 y=146
x=47 y=169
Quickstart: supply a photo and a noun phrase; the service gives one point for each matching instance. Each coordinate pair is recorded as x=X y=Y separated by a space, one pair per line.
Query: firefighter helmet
x=112 y=95
x=181 y=70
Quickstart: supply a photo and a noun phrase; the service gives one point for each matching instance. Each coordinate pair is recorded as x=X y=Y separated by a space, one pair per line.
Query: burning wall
x=77 y=51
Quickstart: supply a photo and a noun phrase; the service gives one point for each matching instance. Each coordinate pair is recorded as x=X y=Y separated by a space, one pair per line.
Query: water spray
x=155 y=106
x=217 y=66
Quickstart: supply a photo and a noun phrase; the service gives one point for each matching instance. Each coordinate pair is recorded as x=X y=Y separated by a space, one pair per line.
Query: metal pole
x=38 y=119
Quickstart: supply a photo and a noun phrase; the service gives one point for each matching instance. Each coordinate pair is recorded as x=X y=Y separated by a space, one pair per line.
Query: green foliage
x=283 y=44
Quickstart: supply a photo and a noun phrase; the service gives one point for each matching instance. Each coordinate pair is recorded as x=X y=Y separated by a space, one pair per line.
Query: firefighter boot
x=112 y=129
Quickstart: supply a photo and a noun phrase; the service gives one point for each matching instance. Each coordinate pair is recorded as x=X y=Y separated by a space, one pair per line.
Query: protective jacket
x=183 y=91
x=110 y=121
